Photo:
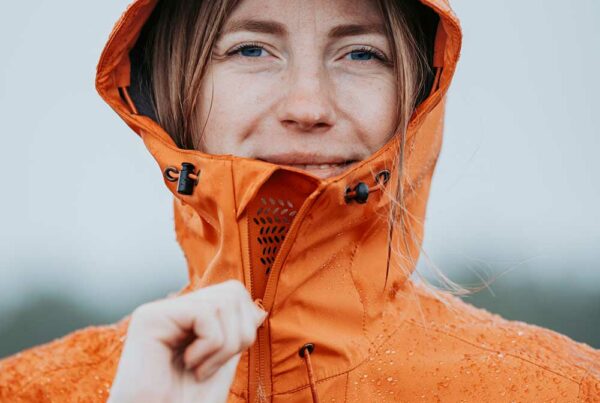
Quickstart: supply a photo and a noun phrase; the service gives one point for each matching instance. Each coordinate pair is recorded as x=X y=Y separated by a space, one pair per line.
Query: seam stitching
x=347 y=372
x=492 y=350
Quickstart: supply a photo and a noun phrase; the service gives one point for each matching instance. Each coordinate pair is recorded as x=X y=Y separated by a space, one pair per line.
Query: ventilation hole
x=273 y=218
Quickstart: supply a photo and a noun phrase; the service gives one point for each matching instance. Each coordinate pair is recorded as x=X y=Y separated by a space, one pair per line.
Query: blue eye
x=251 y=51
x=367 y=54
x=361 y=55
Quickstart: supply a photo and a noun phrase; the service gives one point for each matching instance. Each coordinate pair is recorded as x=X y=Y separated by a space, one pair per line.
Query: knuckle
x=215 y=342
x=236 y=286
x=144 y=312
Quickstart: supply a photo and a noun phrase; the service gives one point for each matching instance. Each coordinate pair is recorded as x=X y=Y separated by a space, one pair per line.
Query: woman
x=299 y=140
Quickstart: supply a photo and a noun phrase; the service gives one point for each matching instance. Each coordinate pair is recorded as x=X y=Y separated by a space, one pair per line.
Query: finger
x=216 y=388
x=209 y=339
x=251 y=319
x=167 y=321
x=259 y=315
x=230 y=317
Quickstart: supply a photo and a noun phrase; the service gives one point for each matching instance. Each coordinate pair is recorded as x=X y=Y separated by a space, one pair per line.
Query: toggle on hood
x=316 y=254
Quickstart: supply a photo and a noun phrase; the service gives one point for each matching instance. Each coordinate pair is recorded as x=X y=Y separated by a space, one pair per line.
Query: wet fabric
x=346 y=322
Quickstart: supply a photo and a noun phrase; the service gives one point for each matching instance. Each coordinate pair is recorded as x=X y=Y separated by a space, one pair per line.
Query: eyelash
x=379 y=56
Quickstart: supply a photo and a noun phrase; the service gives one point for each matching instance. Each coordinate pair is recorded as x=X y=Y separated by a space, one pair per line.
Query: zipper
x=259 y=371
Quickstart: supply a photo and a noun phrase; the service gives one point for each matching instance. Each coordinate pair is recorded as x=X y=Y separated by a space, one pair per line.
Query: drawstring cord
x=187 y=177
x=305 y=353
x=360 y=193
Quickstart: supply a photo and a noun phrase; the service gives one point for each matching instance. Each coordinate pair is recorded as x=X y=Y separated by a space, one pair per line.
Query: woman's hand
x=186 y=349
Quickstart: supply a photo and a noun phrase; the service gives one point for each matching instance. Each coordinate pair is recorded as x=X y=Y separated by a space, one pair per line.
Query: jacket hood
x=317 y=260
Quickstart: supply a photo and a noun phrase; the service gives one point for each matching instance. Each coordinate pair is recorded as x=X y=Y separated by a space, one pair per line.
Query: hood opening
x=122 y=68
x=141 y=93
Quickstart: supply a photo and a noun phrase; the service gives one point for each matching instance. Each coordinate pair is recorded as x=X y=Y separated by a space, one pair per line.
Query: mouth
x=324 y=170
x=320 y=166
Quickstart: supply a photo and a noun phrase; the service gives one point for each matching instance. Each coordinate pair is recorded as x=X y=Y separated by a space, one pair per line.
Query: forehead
x=309 y=13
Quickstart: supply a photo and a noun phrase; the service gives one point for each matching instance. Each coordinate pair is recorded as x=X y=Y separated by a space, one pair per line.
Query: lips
x=323 y=171
x=322 y=166
x=314 y=167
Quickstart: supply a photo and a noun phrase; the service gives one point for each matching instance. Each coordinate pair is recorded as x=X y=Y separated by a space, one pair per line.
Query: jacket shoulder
x=534 y=349
x=78 y=367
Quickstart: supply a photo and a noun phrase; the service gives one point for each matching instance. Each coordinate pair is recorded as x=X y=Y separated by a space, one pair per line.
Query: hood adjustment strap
x=361 y=191
x=124 y=93
x=305 y=352
x=187 y=177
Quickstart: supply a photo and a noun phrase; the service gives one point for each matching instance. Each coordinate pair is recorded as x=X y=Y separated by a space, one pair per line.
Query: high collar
x=336 y=258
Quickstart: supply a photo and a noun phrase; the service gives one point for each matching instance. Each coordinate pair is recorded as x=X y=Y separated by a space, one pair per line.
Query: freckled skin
x=304 y=93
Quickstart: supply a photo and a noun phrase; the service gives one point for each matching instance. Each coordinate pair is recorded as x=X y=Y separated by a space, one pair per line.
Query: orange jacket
x=331 y=283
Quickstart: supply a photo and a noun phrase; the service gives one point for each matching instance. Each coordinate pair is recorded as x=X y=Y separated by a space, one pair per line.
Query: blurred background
x=86 y=224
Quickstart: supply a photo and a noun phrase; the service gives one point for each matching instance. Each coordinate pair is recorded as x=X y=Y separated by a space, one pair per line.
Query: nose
x=307 y=104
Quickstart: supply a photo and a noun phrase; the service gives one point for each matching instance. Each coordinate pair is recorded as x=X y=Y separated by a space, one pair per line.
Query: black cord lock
x=187 y=177
x=360 y=192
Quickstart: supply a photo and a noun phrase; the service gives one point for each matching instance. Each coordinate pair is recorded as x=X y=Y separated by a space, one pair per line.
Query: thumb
x=216 y=387
x=259 y=315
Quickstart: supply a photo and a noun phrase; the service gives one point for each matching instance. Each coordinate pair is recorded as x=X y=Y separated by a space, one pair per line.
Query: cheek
x=369 y=102
x=230 y=108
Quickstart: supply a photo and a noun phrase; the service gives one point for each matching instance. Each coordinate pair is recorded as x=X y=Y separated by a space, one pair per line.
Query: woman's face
x=307 y=84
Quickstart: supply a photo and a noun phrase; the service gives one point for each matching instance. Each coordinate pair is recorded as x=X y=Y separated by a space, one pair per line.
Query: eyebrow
x=341 y=31
x=259 y=26
x=276 y=28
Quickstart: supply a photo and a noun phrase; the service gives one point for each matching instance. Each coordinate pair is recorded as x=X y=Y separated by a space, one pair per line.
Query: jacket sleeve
x=79 y=367
x=589 y=387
